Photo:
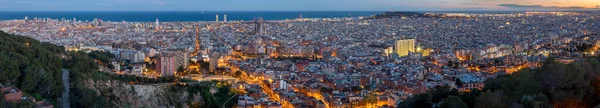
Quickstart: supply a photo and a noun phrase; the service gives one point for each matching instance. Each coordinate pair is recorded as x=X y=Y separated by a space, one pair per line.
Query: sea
x=181 y=16
x=191 y=16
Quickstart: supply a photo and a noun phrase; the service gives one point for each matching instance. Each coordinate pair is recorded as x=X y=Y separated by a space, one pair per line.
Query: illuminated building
x=426 y=52
x=165 y=65
x=403 y=47
x=597 y=44
x=389 y=51
x=463 y=54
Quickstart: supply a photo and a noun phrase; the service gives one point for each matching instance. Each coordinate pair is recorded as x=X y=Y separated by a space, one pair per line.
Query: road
x=65 y=96
x=260 y=81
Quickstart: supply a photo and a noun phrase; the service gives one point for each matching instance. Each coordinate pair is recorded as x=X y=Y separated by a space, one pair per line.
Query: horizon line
x=294 y=10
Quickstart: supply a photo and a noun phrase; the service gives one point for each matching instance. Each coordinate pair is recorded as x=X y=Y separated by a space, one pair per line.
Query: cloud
x=469 y=3
x=519 y=6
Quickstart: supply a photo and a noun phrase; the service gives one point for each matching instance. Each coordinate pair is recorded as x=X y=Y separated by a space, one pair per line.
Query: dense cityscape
x=348 y=62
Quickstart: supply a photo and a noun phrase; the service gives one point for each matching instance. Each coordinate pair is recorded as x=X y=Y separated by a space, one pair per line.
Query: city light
x=297 y=59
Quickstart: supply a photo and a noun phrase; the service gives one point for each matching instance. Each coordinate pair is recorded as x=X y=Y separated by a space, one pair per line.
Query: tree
x=180 y=69
x=441 y=93
x=469 y=97
x=535 y=101
x=490 y=99
x=417 y=101
x=453 y=102
x=566 y=85
x=458 y=82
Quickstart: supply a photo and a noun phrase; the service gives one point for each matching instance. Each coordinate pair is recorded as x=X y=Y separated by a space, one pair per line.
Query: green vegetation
x=82 y=68
x=36 y=68
x=32 y=66
x=104 y=58
x=20 y=104
x=554 y=84
x=453 y=102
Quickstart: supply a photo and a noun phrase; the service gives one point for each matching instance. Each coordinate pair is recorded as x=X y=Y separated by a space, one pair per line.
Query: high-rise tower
x=217 y=20
x=404 y=47
x=157 y=25
x=225 y=18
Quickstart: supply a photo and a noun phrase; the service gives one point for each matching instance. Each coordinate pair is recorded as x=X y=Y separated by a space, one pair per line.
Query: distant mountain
x=393 y=14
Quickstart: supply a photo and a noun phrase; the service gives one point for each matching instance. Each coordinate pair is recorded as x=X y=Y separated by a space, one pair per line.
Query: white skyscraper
x=225 y=18
x=217 y=20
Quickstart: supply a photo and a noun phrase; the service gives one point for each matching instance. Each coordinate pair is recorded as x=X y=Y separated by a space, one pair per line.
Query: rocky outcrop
x=155 y=95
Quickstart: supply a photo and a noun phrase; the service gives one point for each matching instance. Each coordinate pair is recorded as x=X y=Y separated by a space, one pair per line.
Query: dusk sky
x=294 y=5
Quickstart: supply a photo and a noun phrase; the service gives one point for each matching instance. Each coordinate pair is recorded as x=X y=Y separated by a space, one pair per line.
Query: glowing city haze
x=294 y=5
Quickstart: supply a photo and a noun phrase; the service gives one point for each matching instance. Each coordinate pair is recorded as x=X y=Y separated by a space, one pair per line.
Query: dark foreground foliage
x=575 y=85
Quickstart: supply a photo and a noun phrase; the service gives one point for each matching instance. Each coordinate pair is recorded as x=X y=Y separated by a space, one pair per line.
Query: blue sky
x=292 y=5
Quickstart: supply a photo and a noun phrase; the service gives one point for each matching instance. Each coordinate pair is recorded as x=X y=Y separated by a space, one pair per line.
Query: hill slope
x=32 y=66
x=575 y=85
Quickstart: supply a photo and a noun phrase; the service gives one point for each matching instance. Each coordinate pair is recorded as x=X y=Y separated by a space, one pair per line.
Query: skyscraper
x=157 y=25
x=403 y=47
x=217 y=20
x=225 y=18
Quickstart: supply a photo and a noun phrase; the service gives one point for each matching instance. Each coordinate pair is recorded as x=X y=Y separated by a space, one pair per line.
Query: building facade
x=403 y=47
x=166 y=66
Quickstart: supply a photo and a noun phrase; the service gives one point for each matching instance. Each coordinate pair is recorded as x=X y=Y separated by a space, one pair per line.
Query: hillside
x=36 y=69
x=32 y=66
x=403 y=14
x=575 y=85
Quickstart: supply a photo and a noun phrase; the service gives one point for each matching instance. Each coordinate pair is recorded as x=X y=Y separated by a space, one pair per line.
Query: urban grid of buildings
x=330 y=62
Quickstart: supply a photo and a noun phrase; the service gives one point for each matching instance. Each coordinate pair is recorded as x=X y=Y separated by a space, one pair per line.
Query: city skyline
x=297 y=5
x=300 y=53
